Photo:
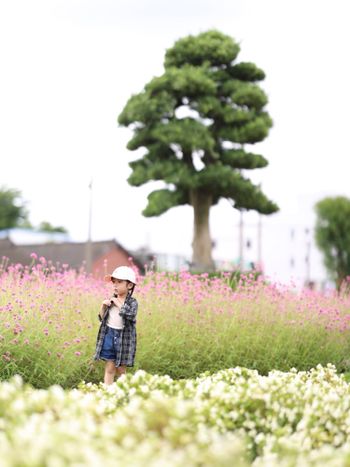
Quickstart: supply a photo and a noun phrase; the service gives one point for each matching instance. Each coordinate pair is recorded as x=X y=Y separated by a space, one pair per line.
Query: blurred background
x=68 y=68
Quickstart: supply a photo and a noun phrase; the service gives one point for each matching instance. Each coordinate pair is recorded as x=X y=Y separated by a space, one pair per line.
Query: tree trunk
x=341 y=276
x=202 y=245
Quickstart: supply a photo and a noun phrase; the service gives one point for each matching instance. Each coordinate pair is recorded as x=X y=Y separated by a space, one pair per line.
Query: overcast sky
x=69 y=66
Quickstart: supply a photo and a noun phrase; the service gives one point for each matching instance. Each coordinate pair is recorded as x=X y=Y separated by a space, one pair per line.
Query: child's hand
x=115 y=301
x=107 y=302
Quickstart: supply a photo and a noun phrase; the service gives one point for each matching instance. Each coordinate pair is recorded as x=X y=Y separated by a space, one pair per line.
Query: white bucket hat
x=123 y=273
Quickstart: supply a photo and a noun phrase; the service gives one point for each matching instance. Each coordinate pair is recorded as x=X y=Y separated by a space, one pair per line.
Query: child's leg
x=121 y=370
x=110 y=371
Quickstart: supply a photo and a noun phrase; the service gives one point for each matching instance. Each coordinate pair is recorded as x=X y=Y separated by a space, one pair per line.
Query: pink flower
x=34 y=255
x=77 y=354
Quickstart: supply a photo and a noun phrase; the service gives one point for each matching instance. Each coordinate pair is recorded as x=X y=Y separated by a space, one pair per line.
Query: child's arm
x=105 y=305
x=129 y=310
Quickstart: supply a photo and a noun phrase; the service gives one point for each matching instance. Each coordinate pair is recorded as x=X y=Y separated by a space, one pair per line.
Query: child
x=116 y=339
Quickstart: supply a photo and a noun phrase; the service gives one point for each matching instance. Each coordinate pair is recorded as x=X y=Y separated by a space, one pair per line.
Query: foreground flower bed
x=234 y=417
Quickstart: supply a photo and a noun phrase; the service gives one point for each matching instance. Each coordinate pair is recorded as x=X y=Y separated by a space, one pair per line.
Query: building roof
x=26 y=236
x=14 y=252
x=71 y=253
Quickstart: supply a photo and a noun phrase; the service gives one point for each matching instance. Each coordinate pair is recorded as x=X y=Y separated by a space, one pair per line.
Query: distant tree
x=332 y=235
x=194 y=122
x=47 y=227
x=13 y=212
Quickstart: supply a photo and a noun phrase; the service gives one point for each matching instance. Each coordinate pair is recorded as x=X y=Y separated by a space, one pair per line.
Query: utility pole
x=292 y=260
x=241 y=259
x=307 y=257
x=260 y=264
x=88 y=251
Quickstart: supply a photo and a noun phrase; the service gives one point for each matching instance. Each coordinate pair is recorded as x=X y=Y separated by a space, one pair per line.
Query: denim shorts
x=111 y=344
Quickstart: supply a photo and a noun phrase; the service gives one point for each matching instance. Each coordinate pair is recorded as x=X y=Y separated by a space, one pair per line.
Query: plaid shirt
x=126 y=354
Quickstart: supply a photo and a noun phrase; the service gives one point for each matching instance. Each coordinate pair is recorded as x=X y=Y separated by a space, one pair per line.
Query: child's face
x=121 y=287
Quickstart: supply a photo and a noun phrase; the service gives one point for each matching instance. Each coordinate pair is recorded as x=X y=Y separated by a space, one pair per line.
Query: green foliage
x=202 y=103
x=243 y=160
x=160 y=201
x=332 y=236
x=47 y=227
x=12 y=209
x=246 y=71
x=210 y=47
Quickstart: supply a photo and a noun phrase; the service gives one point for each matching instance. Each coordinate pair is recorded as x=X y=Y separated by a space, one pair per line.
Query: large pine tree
x=194 y=121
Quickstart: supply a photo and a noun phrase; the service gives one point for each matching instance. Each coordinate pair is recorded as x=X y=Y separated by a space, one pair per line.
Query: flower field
x=186 y=325
x=233 y=417
x=250 y=375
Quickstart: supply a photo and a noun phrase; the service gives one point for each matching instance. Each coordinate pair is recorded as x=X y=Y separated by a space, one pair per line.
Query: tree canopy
x=13 y=212
x=194 y=122
x=332 y=235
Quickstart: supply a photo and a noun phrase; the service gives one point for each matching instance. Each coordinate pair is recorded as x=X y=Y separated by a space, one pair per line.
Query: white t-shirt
x=114 y=321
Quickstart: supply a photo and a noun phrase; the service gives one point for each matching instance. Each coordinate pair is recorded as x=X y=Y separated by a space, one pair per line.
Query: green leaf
x=210 y=47
x=190 y=134
x=144 y=108
x=160 y=201
x=246 y=71
x=188 y=81
x=242 y=160
x=245 y=94
x=251 y=132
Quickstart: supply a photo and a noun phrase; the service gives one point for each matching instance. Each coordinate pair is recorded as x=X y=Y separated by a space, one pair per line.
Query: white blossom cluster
x=234 y=417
